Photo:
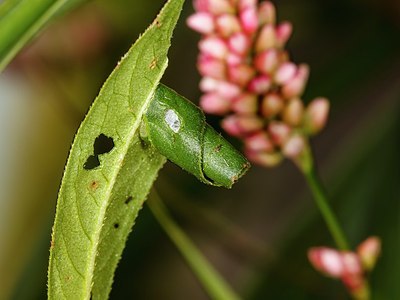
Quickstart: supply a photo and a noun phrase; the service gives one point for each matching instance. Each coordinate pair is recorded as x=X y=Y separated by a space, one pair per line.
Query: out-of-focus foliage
x=258 y=233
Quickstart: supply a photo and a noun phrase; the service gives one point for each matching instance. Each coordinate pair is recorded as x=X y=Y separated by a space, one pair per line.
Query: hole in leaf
x=129 y=199
x=103 y=144
x=116 y=225
x=92 y=162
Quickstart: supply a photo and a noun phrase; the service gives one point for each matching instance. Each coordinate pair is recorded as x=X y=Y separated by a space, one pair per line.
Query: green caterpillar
x=177 y=128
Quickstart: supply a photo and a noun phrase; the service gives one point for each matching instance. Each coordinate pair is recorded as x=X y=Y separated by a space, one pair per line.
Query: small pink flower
x=369 y=251
x=260 y=84
x=272 y=104
x=249 y=19
x=214 y=47
x=295 y=86
x=211 y=67
x=317 y=115
x=201 y=22
x=240 y=74
x=245 y=104
x=293 y=112
x=279 y=132
x=294 y=146
x=214 y=104
x=266 y=39
x=266 y=13
x=263 y=158
x=259 y=142
x=239 y=43
x=267 y=61
x=285 y=73
x=227 y=25
x=283 y=33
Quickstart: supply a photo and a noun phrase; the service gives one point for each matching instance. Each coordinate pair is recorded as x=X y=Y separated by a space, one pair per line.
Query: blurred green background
x=257 y=234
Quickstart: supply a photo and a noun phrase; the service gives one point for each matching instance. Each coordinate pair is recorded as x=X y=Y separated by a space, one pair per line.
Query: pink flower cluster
x=249 y=78
x=350 y=267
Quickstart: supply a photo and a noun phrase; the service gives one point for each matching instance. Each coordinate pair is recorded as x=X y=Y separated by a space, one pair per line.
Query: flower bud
x=263 y=158
x=279 y=132
x=283 y=33
x=227 y=25
x=293 y=112
x=214 y=104
x=201 y=22
x=294 y=146
x=266 y=38
x=295 y=86
x=266 y=13
x=259 y=141
x=211 y=67
x=213 y=46
x=266 y=61
x=208 y=84
x=260 y=84
x=240 y=74
x=241 y=125
x=369 y=251
x=216 y=7
x=245 y=104
x=327 y=261
x=316 y=115
x=239 y=43
x=249 y=19
x=271 y=105
x=228 y=90
x=285 y=72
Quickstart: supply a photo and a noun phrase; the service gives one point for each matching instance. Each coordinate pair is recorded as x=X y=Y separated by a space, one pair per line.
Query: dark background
x=256 y=234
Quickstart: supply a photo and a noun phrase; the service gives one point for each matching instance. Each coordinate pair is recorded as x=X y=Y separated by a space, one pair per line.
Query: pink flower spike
x=293 y=112
x=240 y=74
x=249 y=20
x=245 y=104
x=283 y=33
x=262 y=158
x=369 y=251
x=214 y=104
x=208 y=84
x=294 y=146
x=271 y=105
x=228 y=90
x=260 y=84
x=316 y=115
x=211 y=67
x=213 y=46
x=239 y=43
x=201 y=22
x=266 y=39
x=259 y=142
x=267 y=61
x=295 y=86
x=285 y=72
x=227 y=25
x=266 y=13
x=327 y=261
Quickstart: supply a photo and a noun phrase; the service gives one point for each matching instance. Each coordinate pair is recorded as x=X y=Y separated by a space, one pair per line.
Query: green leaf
x=20 y=21
x=109 y=171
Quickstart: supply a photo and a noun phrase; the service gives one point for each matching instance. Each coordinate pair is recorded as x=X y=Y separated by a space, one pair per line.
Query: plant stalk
x=215 y=286
x=307 y=166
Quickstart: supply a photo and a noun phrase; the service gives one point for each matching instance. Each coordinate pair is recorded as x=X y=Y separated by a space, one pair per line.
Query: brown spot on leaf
x=94 y=185
x=153 y=64
x=128 y=200
x=51 y=244
x=218 y=148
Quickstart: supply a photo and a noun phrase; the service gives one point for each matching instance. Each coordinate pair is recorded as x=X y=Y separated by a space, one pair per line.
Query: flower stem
x=216 y=287
x=307 y=166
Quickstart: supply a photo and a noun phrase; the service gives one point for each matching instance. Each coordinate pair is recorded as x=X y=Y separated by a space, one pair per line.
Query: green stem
x=307 y=166
x=213 y=283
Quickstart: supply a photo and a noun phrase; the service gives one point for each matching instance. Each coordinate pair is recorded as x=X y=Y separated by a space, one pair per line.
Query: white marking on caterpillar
x=172 y=120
